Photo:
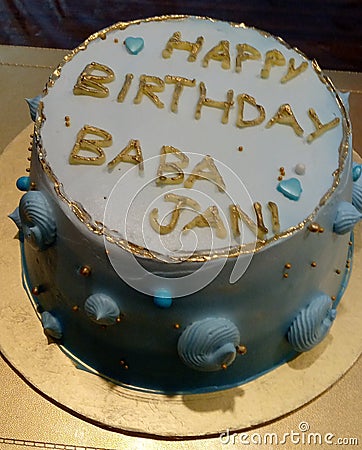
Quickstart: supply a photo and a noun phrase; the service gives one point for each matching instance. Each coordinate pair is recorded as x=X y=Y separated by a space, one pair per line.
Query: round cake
x=188 y=219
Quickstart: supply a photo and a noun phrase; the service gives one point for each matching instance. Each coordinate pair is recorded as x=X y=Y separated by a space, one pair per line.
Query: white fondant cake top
x=249 y=159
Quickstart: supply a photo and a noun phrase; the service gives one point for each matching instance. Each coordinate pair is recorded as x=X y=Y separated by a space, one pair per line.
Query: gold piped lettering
x=262 y=229
x=221 y=52
x=294 y=71
x=125 y=88
x=236 y=214
x=90 y=145
x=211 y=219
x=206 y=170
x=182 y=202
x=179 y=83
x=204 y=101
x=148 y=85
x=273 y=208
x=240 y=122
x=285 y=116
x=272 y=58
x=171 y=167
x=175 y=42
x=320 y=128
x=90 y=84
x=125 y=156
x=245 y=52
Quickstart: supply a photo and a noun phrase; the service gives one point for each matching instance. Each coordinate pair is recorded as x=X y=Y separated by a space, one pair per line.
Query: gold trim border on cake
x=111 y=236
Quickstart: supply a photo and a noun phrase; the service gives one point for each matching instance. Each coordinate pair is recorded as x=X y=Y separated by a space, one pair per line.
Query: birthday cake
x=187 y=220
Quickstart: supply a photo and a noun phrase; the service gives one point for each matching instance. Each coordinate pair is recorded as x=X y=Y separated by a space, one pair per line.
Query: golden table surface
x=29 y=420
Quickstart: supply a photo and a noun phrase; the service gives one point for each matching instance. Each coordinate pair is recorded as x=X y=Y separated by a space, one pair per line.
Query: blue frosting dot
x=356 y=171
x=23 y=183
x=162 y=299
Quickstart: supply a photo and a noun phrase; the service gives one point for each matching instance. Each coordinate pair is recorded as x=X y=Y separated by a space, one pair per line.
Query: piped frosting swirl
x=209 y=345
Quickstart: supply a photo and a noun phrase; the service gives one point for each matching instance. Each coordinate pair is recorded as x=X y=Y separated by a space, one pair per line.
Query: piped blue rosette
x=312 y=324
x=209 y=345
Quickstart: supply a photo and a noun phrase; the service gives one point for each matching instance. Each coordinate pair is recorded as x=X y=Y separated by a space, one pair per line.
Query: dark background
x=327 y=30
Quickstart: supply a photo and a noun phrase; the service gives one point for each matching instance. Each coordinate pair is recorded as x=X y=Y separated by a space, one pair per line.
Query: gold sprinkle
x=321 y=230
x=240 y=148
x=122 y=363
x=32 y=185
x=224 y=366
x=350 y=243
x=75 y=308
x=125 y=367
x=333 y=298
x=338 y=272
x=115 y=40
x=280 y=178
x=285 y=275
x=241 y=349
x=313 y=264
x=177 y=326
x=287 y=265
x=118 y=320
x=282 y=170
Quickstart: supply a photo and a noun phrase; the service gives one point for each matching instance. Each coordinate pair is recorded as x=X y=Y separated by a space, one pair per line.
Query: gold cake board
x=50 y=372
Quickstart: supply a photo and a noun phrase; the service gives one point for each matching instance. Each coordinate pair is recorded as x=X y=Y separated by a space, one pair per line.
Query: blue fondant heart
x=290 y=188
x=134 y=45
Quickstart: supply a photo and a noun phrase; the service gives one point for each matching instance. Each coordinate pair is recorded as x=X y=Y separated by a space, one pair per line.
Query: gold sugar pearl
x=36 y=290
x=350 y=243
x=224 y=366
x=333 y=298
x=285 y=275
x=115 y=40
x=338 y=272
x=287 y=265
x=241 y=349
x=240 y=148
x=75 y=308
x=314 y=227
x=313 y=264
x=321 y=230
x=280 y=178
x=177 y=326
x=118 y=320
x=85 y=271
x=282 y=171
x=32 y=185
